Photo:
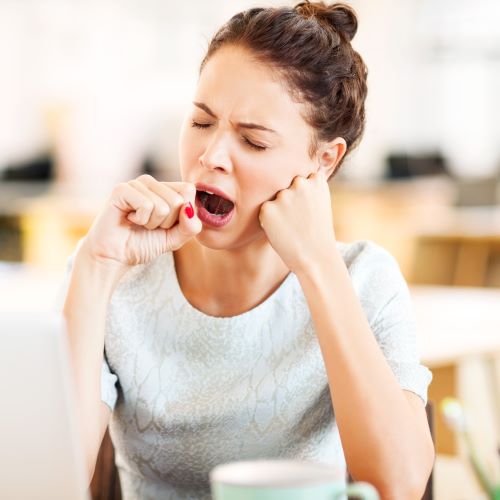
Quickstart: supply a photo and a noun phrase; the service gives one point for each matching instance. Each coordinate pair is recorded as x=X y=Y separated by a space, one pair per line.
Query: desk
x=456 y=322
x=459 y=335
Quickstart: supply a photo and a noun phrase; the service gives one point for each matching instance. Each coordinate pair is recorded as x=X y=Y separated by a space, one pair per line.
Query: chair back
x=105 y=483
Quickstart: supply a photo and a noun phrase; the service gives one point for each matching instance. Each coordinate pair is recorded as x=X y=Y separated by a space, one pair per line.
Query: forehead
x=234 y=85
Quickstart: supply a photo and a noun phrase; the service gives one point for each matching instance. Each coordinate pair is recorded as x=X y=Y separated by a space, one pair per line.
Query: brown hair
x=309 y=46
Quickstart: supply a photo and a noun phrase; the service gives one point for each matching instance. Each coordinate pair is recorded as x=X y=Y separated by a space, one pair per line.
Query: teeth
x=209 y=192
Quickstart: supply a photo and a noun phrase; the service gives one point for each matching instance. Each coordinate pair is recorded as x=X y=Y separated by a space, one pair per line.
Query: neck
x=230 y=278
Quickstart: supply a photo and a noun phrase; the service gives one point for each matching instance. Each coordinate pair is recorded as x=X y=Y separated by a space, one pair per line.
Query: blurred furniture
x=459 y=247
x=458 y=260
x=459 y=322
x=10 y=239
x=454 y=323
x=11 y=231
x=429 y=490
x=52 y=226
x=458 y=331
x=43 y=227
x=393 y=214
x=105 y=484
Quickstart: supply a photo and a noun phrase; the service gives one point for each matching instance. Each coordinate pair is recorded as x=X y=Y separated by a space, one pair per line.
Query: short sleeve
x=109 y=392
x=386 y=297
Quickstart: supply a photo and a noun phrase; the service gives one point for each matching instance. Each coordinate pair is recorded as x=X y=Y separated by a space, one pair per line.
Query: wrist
x=107 y=272
x=316 y=264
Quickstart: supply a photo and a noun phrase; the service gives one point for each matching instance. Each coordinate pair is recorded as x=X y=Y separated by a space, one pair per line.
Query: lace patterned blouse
x=189 y=391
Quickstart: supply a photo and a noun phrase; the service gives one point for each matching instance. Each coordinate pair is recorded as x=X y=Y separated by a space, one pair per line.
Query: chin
x=211 y=238
x=218 y=240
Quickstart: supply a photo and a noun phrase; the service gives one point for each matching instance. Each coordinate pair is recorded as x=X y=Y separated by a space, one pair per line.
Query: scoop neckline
x=208 y=317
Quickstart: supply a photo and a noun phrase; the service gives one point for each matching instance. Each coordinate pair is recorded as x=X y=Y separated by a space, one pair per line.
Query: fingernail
x=189 y=210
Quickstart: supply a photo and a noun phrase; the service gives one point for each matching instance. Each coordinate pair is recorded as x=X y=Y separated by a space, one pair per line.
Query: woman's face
x=250 y=164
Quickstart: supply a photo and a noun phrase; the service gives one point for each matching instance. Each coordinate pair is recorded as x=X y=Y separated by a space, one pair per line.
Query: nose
x=216 y=154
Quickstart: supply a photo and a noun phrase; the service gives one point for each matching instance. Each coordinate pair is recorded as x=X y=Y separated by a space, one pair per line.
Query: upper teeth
x=209 y=192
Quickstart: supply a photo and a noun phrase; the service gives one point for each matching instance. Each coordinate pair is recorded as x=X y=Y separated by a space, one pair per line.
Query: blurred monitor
x=40 y=455
x=405 y=165
x=40 y=168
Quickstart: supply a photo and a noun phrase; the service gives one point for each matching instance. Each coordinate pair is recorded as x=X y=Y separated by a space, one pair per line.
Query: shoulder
x=367 y=259
x=375 y=273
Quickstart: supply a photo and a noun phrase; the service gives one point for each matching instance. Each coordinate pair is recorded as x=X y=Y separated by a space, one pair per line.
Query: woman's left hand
x=299 y=221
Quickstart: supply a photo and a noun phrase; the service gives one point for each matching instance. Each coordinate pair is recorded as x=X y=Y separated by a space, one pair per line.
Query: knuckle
x=145 y=177
x=148 y=205
x=120 y=187
x=163 y=210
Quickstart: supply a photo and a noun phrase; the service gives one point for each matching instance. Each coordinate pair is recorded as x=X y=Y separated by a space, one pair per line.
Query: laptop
x=40 y=453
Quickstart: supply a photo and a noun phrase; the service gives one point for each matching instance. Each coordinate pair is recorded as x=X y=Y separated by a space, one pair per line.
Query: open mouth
x=214 y=204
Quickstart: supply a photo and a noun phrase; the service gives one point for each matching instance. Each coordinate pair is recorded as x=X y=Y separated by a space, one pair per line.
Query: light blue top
x=190 y=391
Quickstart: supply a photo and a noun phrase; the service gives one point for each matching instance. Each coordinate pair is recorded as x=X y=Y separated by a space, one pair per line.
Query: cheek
x=260 y=183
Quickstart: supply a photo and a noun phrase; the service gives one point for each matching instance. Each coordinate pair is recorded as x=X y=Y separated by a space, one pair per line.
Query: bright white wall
x=434 y=79
x=104 y=81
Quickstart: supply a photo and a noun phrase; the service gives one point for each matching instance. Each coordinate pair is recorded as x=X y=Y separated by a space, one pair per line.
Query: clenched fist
x=142 y=219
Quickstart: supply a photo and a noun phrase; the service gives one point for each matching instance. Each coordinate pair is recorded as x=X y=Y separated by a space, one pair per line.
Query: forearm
x=382 y=440
x=84 y=310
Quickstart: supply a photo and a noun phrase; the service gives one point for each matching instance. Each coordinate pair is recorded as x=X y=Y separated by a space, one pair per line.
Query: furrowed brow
x=205 y=108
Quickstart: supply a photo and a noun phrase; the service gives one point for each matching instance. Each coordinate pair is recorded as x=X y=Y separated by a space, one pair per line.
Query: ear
x=330 y=154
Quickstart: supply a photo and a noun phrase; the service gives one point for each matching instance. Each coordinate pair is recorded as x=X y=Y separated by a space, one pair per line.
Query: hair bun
x=339 y=15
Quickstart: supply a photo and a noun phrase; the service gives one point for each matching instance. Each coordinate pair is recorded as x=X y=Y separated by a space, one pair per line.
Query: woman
x=234 y=324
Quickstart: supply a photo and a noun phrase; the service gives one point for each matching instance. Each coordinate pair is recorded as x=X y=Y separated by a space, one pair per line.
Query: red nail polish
x=189 y=210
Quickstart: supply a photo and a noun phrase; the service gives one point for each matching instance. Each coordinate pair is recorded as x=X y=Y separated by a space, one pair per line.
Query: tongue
x=218 y=205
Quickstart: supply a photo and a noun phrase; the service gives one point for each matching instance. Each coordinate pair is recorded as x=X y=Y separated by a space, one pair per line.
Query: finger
x=184 y=230
x=172 y=192
x=161 y=208
x=181 y=187
x=187 y=191
x=178 y=186
x=136 y=207
x=176 y=193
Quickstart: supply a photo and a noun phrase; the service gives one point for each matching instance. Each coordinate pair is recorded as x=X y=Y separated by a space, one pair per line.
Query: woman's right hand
x=142 y=219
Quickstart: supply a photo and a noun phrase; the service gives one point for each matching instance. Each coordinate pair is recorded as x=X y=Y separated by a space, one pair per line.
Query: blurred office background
x=93 y=92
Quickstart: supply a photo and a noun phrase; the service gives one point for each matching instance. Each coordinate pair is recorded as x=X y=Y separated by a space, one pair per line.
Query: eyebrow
x=204 y=107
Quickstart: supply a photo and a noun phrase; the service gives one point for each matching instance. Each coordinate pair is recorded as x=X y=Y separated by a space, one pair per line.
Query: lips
x=209 y=219
x=209 y=188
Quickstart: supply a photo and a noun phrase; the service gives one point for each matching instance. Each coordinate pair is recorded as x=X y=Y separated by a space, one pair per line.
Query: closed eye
x=244 y=139
x=200 y=125
x=252 y=145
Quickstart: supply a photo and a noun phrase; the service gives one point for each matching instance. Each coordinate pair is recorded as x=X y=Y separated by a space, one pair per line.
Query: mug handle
x=363 y=490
